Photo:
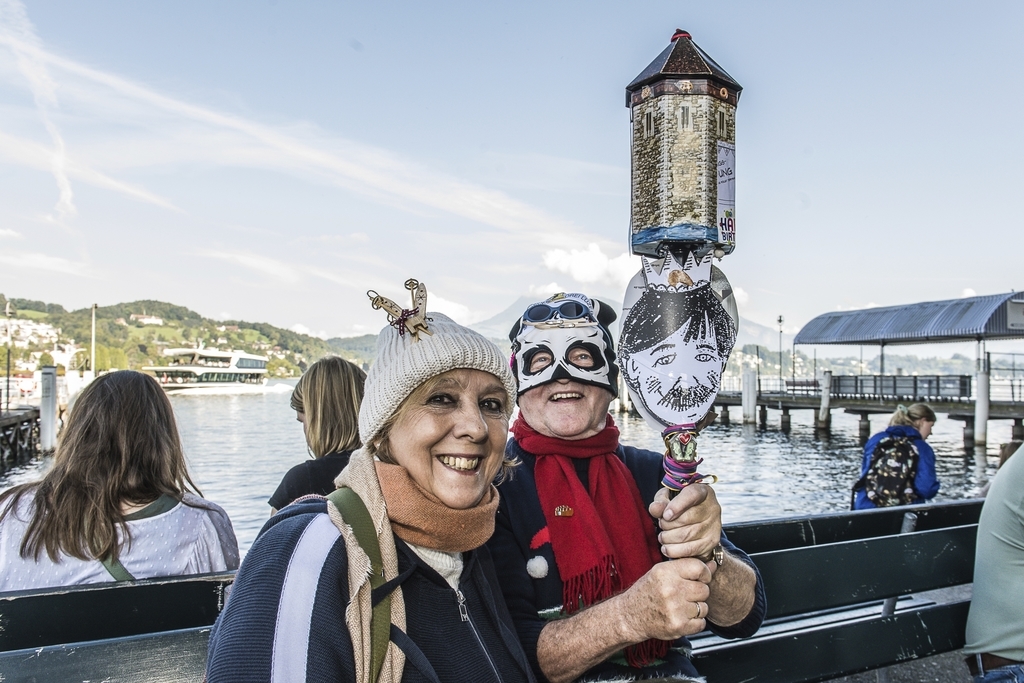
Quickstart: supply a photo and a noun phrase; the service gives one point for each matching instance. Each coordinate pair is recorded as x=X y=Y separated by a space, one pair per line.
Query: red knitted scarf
x=603 y=542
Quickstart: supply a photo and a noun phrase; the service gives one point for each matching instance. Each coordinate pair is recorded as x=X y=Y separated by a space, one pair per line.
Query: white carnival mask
x=562 y=327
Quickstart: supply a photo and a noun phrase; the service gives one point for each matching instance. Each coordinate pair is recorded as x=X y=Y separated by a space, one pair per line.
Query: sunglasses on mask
x=566 y=310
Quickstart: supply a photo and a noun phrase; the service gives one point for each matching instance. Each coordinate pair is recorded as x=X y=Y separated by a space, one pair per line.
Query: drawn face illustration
x=677 y=379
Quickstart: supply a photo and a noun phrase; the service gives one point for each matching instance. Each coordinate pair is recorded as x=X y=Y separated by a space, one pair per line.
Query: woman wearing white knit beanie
x=433 y=421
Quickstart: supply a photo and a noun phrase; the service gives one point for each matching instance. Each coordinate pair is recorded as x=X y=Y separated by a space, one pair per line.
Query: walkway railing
x=894 y=387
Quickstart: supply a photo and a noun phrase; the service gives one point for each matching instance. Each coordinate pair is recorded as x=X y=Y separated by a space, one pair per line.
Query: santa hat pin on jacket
x=414 y=320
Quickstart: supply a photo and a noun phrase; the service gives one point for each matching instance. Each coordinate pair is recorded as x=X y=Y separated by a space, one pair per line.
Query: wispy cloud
x=261 y=264
x=17 y=31
x=44 y=262
x=6 y=232
x=32 y=155
x=364 y=169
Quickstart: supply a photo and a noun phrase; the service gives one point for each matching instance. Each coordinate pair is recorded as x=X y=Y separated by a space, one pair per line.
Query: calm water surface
x=239 y=447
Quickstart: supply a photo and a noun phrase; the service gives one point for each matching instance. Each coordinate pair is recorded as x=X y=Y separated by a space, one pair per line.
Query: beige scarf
x=361 y=477
x=418 y=517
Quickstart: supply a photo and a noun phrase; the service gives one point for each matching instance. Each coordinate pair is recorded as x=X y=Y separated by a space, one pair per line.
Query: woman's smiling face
x=450 y=435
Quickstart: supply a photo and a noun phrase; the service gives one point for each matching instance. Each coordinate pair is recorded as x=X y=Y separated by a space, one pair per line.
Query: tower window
x=721 y=124
x=649 y=124
x=684 y=118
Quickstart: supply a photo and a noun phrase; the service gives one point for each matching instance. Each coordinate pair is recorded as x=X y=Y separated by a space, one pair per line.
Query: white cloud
x=299 y=328
x=592 y=265
x=17 y=31
x=36 y=156
x=7 y=232
x=261 y=264
x=968 y=292
x=454 y=310
x=233 y=140
x=741 y=296
x=546 y=290
x=45 y=262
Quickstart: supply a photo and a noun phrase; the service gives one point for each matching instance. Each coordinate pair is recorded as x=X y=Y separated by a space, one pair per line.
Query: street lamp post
x=92 y=358
x=9 y=311
x=782 y=386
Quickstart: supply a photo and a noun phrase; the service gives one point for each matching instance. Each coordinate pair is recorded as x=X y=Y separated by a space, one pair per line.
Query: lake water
x=239 y=447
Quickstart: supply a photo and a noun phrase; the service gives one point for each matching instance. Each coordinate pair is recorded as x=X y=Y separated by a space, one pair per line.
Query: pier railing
x=945 y=388
x=19 y=437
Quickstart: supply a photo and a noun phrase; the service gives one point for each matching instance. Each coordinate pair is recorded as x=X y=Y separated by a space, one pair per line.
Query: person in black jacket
x=577 y=544
x=433 y=422
x=326 y=401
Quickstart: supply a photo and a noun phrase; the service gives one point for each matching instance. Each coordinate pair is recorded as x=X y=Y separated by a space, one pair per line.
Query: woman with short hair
x=118 y=502
x=326 y=401
x=433 y=422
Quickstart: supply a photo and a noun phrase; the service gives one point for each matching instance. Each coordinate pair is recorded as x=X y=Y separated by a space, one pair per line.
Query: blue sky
x=274 y=160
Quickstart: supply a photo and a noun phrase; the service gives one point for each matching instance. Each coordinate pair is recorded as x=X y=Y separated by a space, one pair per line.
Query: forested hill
x=122 y=342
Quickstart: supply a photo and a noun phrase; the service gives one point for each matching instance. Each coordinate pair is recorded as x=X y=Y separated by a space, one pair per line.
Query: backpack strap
x=354 y=512
x=117 y=570
x=862 y=482
x=158 y=507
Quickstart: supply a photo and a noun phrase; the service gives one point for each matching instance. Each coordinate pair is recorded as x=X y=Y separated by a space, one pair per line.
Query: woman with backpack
x=326 y=401
x=117 y=503
x=899 y=465
x=388 y=578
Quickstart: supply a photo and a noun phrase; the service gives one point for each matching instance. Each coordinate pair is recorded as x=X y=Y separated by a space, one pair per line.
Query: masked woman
x=326 y=401
x=118 y=502
x=433 y=423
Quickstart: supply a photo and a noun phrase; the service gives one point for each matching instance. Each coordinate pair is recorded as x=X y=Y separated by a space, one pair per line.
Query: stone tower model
x=683 y=114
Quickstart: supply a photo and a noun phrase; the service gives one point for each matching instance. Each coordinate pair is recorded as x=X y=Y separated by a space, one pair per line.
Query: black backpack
x=889 y=479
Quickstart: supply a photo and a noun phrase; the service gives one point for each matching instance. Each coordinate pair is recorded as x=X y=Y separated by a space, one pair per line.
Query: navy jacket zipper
x=464 y=612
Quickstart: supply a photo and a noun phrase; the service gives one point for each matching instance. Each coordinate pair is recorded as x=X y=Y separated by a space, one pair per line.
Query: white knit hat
x=403 y=363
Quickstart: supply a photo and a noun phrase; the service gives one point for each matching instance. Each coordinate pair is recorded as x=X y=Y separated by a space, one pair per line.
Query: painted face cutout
x=547 y=354
x=677 y=380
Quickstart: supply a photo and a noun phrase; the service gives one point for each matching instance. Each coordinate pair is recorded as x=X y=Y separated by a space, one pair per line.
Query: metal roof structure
x=996 y=316
x=683 y=59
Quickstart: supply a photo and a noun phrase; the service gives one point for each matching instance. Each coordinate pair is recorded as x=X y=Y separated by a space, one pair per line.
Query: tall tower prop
x=679 y=314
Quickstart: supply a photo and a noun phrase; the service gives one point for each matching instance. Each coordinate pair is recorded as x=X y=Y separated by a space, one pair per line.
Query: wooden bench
x=826 y=580
x=148 y=630
x=825 y=577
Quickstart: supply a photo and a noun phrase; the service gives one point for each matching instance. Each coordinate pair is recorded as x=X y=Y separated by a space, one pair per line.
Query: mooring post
x=625 y=404
x=968 y=431
x=723 y=414
x=784 y=423
x=762 y=415
x=1017 y=433
x=824 y=420
x=889 y=606
x=48 y=409
x=864 y=427
x=749 y=396
x=981 y=402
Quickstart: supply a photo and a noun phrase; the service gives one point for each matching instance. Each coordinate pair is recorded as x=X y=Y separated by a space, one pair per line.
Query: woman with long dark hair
x=117 y=503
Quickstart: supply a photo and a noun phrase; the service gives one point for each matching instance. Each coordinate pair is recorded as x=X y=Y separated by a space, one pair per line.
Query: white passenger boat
x=208 y=371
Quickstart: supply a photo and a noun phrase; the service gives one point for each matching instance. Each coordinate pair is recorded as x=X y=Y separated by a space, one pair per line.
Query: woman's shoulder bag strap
x=117 y=570
x=354 y=511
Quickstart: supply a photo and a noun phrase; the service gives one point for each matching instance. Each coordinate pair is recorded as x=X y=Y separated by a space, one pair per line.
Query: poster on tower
x=726 y=192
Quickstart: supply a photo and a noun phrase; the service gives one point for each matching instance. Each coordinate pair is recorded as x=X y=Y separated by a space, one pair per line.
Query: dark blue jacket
x=533 y=600
x=926 y=483
x=285 y=618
